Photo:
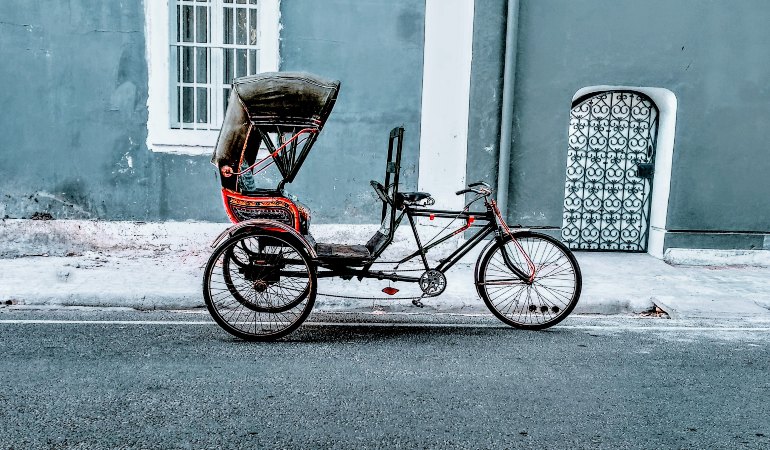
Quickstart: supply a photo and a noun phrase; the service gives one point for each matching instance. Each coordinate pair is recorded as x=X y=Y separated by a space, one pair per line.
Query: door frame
x=666 y=102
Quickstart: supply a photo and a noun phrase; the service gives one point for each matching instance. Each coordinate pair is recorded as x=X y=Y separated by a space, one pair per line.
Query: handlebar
x=484 y=190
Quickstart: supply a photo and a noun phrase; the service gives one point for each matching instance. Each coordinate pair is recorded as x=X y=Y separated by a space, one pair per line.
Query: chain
x=358 y=297
x=392 y=272
x=390 y=298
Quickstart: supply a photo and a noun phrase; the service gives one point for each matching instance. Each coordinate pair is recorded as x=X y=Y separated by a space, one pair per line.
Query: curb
x=188 y=300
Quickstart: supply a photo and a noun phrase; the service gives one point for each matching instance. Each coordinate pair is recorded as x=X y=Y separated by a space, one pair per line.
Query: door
x=610 y=162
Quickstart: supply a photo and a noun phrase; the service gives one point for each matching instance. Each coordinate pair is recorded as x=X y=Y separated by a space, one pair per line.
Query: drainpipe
x=506 y=119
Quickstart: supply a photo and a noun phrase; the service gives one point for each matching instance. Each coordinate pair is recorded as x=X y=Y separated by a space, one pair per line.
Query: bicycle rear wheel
x=544 y=302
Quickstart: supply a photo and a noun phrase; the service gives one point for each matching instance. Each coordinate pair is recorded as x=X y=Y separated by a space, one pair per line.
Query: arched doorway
x=610 y=165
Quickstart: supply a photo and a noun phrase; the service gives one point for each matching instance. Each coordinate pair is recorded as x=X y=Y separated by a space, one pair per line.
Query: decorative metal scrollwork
x=606 y=202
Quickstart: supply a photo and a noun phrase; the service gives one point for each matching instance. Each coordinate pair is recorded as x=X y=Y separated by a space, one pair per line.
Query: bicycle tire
x=230 y=256
x=259 y=324
x=548 y=300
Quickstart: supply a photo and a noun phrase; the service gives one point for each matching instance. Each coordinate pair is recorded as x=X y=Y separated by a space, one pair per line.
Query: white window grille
x=193 y=60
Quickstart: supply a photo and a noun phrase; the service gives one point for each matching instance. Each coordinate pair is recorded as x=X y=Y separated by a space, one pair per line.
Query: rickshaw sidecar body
x=271 y=118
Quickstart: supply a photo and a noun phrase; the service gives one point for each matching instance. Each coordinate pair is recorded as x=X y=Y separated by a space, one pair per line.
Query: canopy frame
x=282 y=111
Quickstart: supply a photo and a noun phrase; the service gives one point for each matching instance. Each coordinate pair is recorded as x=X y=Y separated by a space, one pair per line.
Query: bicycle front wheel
x=535 y=305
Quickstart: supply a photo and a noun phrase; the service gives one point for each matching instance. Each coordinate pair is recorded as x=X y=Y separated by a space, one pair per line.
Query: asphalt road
x=177 y=381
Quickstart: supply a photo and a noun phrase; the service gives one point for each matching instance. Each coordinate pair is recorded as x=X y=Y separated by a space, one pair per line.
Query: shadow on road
x=379 y=333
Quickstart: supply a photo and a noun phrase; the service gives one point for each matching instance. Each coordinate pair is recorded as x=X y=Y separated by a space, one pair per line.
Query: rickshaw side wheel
x=241 y=256
x=544 y=302
x=260 y=285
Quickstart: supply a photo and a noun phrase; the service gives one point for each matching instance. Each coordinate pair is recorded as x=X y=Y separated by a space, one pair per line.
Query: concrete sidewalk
x=613 y=283
x=159 y=265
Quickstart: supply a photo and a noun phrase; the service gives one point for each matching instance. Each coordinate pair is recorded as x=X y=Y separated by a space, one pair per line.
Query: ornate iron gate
x=612 y=137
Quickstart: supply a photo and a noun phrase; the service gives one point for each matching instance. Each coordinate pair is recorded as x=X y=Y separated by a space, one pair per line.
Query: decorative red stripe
x=227 y=194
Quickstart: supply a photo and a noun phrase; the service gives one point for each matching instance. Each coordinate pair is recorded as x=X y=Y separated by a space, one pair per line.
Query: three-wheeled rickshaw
x=260 y=283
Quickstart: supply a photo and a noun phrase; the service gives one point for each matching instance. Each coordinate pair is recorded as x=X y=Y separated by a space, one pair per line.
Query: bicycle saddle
x=411 y=197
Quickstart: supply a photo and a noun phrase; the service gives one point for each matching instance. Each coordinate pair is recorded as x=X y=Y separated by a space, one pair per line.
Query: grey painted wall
x=712 y=55
x=376 y=50
x=486 y=92
x=74 y=113
x=74 y=96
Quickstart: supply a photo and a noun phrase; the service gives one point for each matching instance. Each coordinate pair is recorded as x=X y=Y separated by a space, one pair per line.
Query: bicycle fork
x=528 y=278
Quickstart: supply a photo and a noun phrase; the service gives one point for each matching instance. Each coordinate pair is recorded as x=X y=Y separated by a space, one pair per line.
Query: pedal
x=390 y=290
x=416 y=302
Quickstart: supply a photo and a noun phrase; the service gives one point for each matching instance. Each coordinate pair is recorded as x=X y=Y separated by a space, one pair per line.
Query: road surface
x=121 y=378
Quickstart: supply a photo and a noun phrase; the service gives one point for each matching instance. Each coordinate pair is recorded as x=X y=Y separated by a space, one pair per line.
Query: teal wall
x=486 y=91
x=711 y=54
x=74 y=78
x=74 y=96
x=73 y=101
x=376 y=50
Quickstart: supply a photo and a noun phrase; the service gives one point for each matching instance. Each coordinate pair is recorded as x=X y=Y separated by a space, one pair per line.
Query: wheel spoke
x=259 y=286
x=539 y=304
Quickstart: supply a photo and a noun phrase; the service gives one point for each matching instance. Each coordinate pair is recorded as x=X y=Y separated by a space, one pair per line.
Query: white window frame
x=161 y=137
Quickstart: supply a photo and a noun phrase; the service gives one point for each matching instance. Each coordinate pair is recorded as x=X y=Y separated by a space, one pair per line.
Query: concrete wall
x=376 y=50
x=711 y=55
x=486 y=90
x=74 y=115
x=74 y=83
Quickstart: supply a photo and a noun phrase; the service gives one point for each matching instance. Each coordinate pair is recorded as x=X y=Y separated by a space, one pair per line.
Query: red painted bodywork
x=295 y=212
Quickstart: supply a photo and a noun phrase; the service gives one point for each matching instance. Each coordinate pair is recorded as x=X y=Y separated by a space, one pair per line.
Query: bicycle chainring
x=432 y=282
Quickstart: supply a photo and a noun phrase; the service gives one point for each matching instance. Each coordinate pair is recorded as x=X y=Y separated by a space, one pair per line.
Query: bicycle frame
x=489 y=226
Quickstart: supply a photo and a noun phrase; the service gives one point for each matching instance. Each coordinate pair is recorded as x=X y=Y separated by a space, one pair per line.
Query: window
x=195 y=48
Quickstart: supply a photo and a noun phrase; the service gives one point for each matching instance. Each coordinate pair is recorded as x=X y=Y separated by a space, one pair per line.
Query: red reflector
x=432 y=216
x=471 y=219
x=390 y=290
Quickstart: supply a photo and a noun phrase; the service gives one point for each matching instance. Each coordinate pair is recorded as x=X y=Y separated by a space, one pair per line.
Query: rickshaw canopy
x=270 y=109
